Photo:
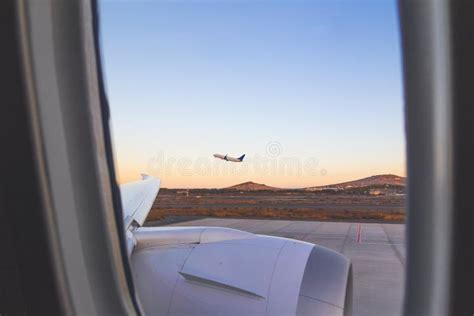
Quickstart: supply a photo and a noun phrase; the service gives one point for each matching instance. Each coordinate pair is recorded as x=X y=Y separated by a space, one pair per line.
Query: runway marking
x=346 y=238
x=393 y=245
x=383 y=243
x=359 y=233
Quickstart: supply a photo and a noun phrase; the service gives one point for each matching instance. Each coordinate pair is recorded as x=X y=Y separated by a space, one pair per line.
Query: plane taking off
x=227 y=158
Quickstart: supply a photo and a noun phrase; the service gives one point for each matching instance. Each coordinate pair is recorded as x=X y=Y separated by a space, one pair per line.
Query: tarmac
x=377 y=252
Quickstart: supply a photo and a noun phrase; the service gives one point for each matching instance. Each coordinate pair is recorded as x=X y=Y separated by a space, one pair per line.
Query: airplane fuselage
x=227 y=158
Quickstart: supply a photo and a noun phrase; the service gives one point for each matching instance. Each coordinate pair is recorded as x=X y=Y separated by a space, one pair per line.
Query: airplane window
x=261 y=154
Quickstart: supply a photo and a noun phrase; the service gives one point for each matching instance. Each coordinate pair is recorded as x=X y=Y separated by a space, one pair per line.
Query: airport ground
x=376 y=250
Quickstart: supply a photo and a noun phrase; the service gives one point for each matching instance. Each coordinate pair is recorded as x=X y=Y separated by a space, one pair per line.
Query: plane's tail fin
x=241 y=157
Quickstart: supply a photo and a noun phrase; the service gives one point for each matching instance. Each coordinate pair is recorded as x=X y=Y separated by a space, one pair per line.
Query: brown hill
x=251 y=186
x=378 y=180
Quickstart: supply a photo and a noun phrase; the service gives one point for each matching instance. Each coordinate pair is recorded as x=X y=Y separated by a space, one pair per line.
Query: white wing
x=137 y=199
x=221 y=271
x=218 y=271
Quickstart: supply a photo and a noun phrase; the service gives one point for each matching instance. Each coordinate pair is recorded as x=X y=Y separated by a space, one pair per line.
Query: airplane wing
x=137 y=199
x=223 y=271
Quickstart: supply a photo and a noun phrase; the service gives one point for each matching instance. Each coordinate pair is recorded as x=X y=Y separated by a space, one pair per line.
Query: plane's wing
x=217 y=271
x=137 y=199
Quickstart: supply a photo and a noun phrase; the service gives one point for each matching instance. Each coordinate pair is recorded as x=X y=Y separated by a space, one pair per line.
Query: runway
x=377 y=252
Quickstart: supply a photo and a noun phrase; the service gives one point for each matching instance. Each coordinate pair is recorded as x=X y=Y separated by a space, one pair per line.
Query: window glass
x=282 y=118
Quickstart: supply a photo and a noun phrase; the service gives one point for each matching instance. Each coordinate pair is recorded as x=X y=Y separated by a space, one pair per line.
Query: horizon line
x=290 y=188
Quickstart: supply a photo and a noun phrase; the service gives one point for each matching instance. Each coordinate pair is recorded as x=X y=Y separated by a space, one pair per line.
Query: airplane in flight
x=227 y=158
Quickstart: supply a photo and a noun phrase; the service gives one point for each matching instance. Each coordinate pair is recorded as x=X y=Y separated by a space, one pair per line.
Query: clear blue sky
x=320 y=81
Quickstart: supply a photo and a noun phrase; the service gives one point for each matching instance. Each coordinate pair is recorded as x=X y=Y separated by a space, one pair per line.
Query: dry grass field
x=282 y=204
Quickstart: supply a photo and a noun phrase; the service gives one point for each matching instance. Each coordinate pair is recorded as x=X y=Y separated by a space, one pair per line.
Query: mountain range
x=376 y=180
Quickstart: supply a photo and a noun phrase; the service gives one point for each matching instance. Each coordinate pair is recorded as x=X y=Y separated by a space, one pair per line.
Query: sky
x=310 y=91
